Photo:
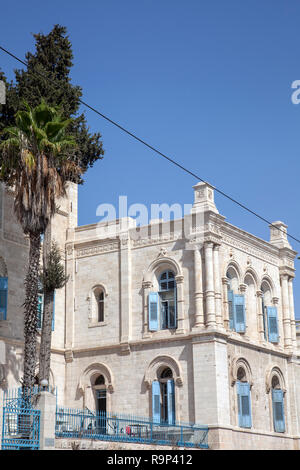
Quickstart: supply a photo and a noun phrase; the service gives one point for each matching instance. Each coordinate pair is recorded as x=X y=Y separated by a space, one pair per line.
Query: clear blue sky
x=207 y=82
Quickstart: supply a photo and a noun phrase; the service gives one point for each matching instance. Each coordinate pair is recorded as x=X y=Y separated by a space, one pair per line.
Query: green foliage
x=37 y=159
x=53 y=275
x=53 y=59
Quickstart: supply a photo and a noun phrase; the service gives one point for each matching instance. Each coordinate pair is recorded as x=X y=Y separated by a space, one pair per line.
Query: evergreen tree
x=53 y=59
x=52 y=277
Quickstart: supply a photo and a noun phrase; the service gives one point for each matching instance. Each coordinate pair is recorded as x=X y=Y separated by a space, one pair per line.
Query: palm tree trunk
x=45 y=349
x=30 y=311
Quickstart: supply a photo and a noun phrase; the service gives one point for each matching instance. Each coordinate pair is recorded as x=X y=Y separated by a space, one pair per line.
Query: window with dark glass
x=167 y=295
x=100 y=306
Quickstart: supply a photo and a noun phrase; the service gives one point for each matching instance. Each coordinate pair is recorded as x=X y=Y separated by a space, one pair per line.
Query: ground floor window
x=101 y=405
x=163 y=398
x=278 y=406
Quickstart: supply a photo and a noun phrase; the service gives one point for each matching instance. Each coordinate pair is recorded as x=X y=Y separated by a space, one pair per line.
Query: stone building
x=190 y=320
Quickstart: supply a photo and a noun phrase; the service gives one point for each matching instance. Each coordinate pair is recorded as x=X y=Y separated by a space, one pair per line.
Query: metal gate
x=21 y=424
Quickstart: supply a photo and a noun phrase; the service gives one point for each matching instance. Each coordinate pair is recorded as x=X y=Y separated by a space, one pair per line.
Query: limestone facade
x=103 y=323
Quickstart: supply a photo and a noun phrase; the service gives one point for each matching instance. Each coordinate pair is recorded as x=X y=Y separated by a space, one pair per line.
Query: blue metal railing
x=86 y=424
x=21 y=422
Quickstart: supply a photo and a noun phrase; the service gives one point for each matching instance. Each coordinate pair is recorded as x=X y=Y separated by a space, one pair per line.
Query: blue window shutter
x=3 y=297
x=156 y=402
x=278 y=410
x=171 y=401
x=239 y=313
x=53 y=312
x=153 y=310
x=230 y=309
x=244 y=404
x=272 y=324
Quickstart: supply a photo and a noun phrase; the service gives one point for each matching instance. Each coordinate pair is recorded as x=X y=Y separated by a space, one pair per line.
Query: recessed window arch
x=233 y=278
x=100 y=380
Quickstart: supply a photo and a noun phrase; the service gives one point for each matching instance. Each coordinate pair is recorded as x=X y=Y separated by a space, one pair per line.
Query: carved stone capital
x=147 y=284
x=179 y=279
x=69 y=355
x=259 y=294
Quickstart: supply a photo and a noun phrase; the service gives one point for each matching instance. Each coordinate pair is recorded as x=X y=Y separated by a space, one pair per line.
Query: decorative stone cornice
x=96 y=247
x=157 y=240
x=254 y=246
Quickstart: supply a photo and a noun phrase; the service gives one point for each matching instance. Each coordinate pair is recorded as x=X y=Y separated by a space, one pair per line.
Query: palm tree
x=37 y=160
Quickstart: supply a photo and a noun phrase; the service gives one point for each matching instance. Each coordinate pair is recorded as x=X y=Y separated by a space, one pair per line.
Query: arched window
x=100 y=304
x=243 y=399
x=236 y=303
x=162 y=304
x=167 y=294
x=100 y=380
x=163 y=398
x=270 y=317
x=277 y=405
x=97 y=305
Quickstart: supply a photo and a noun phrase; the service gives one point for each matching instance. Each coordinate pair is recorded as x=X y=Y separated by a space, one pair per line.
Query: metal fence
x=86 y=424
x=20 y=422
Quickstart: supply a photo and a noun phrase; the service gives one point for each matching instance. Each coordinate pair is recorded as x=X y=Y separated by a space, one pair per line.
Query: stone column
x=292 y=313
x=199 y=316
x=275 y=302
x=147 y=285
x=260 y=313
x=180 y=304
x=217 y=286
x=286 y=311
x=47 y=406
x=125 y=288
x=209 y=285
x=225 y=283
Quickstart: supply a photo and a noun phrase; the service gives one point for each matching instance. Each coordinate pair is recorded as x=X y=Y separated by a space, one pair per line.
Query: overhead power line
x=131 y=134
